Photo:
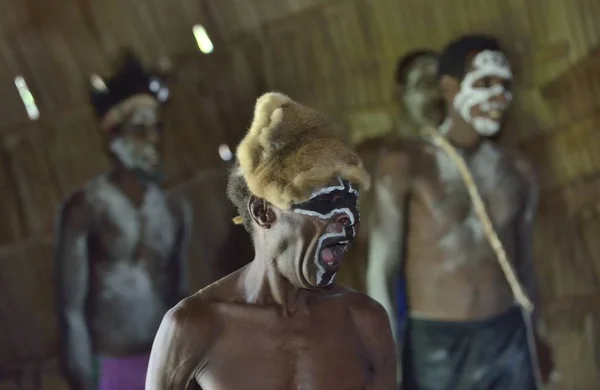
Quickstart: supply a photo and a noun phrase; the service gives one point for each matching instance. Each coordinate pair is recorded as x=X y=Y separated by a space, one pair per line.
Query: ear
x=261 y=211
x=449 y=86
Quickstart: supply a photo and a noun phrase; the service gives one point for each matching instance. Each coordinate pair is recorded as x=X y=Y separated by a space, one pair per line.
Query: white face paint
x=485 y=64
x=422 y=97
x=137 y=153
x=325 y=275
x=134 y=156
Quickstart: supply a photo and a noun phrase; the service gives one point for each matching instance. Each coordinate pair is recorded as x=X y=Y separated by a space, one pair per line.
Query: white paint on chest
x=489 y=173
x=130 y=293
x=152 y=223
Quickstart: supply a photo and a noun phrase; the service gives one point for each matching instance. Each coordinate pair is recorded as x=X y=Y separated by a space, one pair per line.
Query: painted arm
x=72 y=273
x=387 y=238
x=524 y=262
x=178 y=262
x=525 y=267
x=387 y=235
x=177 y=351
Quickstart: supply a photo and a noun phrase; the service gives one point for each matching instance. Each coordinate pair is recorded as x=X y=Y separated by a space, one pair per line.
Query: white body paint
x=486 y=167
x=486 y=63
x=386 y=241
x=320 y=269
x=130 y=294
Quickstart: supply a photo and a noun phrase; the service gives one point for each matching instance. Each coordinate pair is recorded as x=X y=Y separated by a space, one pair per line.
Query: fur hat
x=290 y=150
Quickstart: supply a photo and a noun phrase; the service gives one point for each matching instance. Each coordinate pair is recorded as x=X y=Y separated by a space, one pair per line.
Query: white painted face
x=421 y=96
x=136 y=146
x=483 y=106
x=338 y=201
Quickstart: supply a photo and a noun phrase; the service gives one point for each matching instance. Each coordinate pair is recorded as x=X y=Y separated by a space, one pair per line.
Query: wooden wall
x=339 y=56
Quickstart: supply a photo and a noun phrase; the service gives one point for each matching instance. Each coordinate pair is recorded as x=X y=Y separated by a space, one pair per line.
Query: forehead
x=143 y=113
x=423 y=66
x=490 y=62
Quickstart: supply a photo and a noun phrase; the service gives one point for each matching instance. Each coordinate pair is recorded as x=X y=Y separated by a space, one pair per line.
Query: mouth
x=495 y=114
x=332 y=254
x=150 y=156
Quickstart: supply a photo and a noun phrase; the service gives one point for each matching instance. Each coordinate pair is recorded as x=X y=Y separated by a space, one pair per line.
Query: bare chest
x=126 y=232
x=267 y=352
x=448 y=204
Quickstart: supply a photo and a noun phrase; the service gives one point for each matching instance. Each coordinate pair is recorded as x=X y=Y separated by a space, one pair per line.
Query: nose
x=501 y=97
x=152 y=135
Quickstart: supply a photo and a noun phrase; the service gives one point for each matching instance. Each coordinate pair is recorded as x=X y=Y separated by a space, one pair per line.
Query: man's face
x=484 y=94
x=421 y=95
x=137 y=144
x=326 y=225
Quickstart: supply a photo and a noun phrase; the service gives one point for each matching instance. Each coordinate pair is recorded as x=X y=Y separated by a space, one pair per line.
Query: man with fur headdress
x=121 y=243
x=282 y=322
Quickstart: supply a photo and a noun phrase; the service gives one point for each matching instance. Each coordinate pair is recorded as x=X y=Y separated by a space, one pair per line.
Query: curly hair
x=455 y=56
x=406 y=62
x=239 y=194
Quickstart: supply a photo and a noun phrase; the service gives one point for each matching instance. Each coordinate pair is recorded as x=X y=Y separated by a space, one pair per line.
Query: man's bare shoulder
x=401 y=155
x=193 y=315
x=362 y=306
x=225 y=290
x=75 y=209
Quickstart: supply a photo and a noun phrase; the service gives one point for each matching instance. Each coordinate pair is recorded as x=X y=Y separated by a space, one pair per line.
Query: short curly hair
x=239 y=194
x=455 y=56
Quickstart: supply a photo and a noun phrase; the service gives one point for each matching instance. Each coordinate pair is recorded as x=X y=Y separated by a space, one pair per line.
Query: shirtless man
x=464 y=330
x=420 y=104
x=281 y=322
x=121 y=244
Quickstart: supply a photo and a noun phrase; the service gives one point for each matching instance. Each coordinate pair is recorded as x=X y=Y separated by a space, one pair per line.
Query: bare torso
x=129 y=250
x=451 y=270
x=324 y=344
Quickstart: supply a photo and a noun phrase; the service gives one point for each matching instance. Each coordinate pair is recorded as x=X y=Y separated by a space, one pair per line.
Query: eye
x=345 y=221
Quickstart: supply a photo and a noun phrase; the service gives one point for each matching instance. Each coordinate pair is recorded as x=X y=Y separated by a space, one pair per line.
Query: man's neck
x=461 y=134
x=129 y=183
x=264 y=284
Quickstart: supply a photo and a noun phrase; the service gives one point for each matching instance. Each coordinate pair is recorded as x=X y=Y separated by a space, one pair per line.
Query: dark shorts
x=490 y=354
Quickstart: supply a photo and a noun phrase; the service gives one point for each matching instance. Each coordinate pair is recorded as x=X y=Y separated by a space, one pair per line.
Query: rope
x=509 y=273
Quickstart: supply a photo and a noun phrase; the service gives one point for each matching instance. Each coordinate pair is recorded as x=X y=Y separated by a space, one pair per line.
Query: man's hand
x=545 y=359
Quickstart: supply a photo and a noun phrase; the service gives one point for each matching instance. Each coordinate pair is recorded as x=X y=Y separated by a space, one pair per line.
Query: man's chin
x=155 y=175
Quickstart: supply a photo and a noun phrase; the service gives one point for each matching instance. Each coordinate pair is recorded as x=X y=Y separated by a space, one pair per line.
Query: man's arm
x=524 y=263
x=72 y=273
x=178 y=262
x=524 y=231
x=179 y=347
x=385 y=362
x=374 y=326
x=386 y=233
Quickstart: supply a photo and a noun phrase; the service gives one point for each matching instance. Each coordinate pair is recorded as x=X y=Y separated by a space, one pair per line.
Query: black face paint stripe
x=328 y=199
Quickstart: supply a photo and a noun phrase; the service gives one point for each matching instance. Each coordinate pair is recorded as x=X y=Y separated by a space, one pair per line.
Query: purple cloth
x=123 y=373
